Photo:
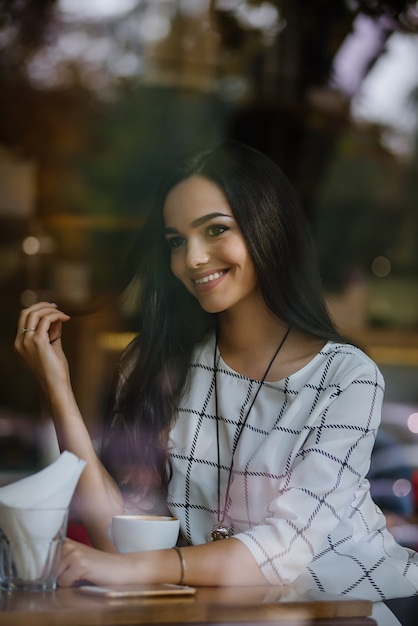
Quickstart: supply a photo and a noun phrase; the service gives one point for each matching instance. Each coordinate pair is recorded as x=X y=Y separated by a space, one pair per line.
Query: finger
x=24 y=314
x=51 y=324
x=68 y=545
x=40 y=324
x=69 y=576
x=30 y=321
x=65 y=576
x=74 y=564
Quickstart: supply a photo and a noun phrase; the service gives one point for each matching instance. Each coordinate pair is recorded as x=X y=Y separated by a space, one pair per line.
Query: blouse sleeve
x=325 y=485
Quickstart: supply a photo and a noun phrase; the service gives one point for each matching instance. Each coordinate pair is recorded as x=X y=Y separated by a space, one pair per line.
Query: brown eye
x=175 y=242
x=217 y=229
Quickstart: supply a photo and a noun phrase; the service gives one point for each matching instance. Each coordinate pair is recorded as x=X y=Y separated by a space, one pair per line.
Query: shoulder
x=348 y=353
x=348 y=362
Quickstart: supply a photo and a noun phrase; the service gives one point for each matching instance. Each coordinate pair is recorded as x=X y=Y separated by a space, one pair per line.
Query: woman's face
x=208 y=253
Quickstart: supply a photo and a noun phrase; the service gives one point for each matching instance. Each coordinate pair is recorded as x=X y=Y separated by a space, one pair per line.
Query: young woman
x=239 y=407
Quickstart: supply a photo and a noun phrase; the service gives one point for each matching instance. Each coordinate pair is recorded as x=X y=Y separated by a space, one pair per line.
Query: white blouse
x=298 y=498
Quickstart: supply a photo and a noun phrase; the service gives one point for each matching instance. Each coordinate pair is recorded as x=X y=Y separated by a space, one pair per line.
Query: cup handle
x=110 y=533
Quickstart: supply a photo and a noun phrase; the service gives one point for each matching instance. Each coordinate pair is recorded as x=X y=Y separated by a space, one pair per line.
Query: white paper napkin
x=32 y=512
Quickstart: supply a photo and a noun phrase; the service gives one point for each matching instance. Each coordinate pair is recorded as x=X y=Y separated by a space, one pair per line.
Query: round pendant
x=219 y=531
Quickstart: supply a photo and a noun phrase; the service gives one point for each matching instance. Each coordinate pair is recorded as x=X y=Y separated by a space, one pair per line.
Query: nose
x=197 y=253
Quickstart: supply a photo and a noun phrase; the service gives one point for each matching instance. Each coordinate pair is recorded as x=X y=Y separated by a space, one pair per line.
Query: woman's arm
x=316 y=492
x=223 y=563
x=97 y=497
x=324 y=486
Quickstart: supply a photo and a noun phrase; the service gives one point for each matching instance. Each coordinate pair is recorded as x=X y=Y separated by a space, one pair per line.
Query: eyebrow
x=199 y=222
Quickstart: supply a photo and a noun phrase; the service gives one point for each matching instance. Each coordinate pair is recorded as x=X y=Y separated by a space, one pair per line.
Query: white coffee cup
x=136 y=533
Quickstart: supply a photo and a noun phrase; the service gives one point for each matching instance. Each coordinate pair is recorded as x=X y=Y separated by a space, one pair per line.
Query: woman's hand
x=83 y=563
x=38 y=342
x=225 y=563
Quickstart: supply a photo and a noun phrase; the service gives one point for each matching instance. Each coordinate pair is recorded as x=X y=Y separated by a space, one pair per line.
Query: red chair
x=77 y=531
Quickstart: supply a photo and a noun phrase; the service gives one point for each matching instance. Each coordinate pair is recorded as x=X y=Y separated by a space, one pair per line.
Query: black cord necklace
x=220 y=530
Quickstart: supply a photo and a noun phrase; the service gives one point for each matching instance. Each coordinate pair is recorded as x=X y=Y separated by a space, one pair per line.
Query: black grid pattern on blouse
x=317 y=385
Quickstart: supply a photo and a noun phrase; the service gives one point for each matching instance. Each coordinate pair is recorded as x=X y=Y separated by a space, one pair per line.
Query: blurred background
x=96 y=98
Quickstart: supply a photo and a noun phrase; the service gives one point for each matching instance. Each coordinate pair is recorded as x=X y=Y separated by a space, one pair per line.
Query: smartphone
x=138 y=591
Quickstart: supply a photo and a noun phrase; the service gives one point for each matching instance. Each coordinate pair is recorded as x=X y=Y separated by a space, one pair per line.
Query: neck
x=251 y=332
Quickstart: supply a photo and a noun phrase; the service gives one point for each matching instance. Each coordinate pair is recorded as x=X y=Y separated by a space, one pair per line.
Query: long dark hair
x=154 y=367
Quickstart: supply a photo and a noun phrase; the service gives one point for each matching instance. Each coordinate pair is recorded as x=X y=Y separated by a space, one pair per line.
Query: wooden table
x=249 y=606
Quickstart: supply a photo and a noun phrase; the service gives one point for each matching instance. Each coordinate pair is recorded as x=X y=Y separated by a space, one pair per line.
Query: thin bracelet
x=182 y=564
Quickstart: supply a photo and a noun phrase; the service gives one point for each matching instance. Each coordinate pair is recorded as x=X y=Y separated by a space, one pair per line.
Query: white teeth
x=207 y=279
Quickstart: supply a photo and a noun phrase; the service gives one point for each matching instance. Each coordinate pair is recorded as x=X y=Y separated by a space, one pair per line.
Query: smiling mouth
x=209 y=278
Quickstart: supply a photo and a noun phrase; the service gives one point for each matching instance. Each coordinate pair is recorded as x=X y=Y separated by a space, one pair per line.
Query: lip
x=210 y=279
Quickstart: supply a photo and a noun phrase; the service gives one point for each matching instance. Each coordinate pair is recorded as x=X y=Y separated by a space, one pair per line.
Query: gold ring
x=26 y=330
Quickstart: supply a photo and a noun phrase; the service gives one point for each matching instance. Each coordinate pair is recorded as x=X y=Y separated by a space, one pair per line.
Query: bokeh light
x=412 y=423
x=31 y=245
x=401 y=488
x=381 y=266
x=28 y=297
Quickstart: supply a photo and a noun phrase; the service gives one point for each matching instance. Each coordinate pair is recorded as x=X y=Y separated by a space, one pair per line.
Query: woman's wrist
x=182 y=563
x=60 y=395
x=157 y=566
